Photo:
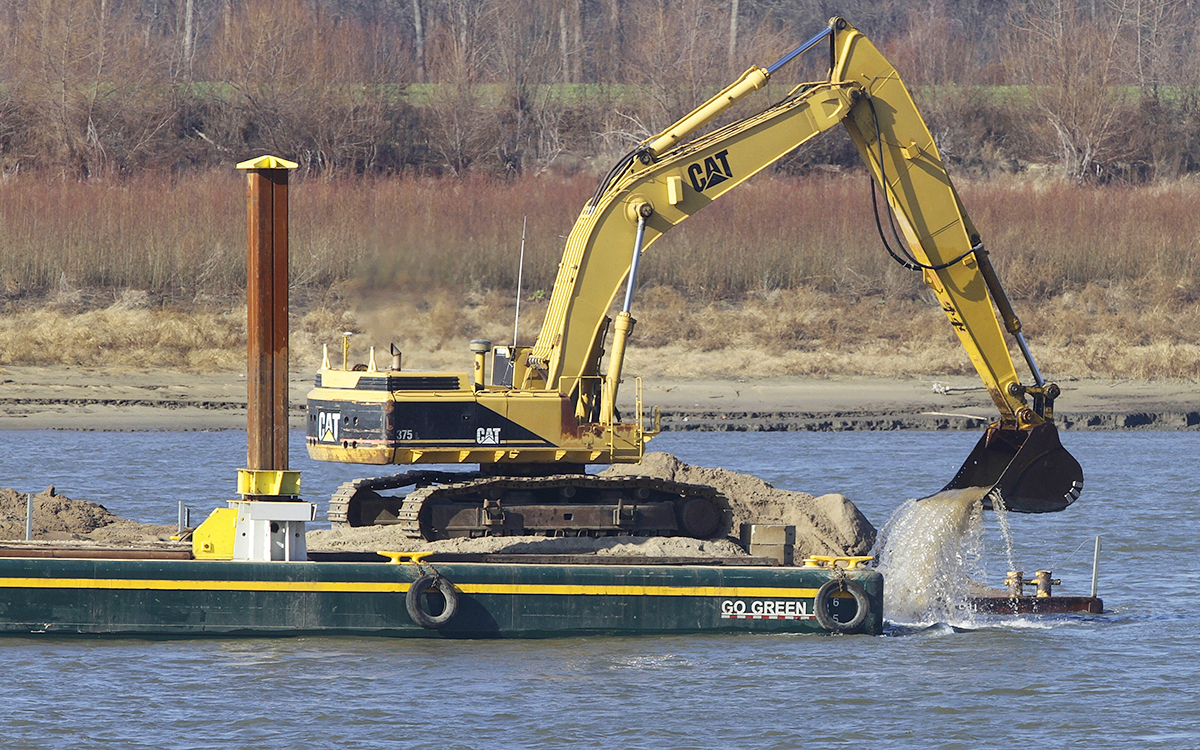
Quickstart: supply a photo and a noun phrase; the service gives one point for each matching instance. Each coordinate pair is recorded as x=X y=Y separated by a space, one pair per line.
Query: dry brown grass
x=1102 y=331
x=1098 y=332
x=783 y=277
x=149 y=337
x=124 y=336
x=185 y=240
x=1143 y=330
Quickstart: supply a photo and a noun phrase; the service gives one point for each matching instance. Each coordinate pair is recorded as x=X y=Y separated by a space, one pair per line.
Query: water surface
x=1128 y=678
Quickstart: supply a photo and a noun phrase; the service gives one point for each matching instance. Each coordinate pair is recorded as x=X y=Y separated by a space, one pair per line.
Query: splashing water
x=1005 y=529
x=929 y=552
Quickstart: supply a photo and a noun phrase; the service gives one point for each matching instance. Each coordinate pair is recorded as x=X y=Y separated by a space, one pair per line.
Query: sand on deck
x=826 y=525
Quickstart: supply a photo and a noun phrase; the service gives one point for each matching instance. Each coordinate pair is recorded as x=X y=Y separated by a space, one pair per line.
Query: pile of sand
x=375 y=538
x=58 y=518
x=825 y=525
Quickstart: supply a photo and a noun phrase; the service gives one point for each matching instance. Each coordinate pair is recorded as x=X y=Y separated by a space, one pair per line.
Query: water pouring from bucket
x=929 y=551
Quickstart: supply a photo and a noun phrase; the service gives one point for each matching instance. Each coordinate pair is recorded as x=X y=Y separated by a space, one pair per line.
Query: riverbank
x=73 y=398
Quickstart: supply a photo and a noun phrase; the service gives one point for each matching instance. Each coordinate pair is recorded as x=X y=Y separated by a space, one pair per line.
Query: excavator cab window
x=502 y=366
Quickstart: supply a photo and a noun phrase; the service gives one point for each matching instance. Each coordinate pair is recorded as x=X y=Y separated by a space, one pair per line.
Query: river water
x=1127 y=678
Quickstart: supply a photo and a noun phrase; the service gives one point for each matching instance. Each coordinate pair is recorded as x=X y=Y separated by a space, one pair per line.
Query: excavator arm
x=672 y=176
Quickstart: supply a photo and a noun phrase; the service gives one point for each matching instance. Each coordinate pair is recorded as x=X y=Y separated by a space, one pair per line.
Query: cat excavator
x=548 y=411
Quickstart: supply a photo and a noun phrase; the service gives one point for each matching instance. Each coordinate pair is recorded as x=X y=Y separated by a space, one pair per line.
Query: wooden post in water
x=267 y=314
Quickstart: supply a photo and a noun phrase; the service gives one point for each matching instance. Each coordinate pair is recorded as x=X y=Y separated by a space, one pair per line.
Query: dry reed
x=184 y=240
x=1094 y=333
x=785 y=276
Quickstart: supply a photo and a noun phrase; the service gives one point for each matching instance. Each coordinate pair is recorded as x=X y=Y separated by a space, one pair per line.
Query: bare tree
x=89 y=84
x=189 y=34
x=1070 y=59
x=936 y=49
x=570 y=23
x=419 y=32
x=614 y=50
x=1157 y=28
x=733 y=32
x=305 y=86
x=676 y=55
x=1157 y=58
x=463 y=124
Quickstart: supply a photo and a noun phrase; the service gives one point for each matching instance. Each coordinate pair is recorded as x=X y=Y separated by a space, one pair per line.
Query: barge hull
x=173 y=598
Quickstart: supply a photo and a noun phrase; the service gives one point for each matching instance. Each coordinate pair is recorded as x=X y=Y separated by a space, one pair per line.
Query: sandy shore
x=82 y=399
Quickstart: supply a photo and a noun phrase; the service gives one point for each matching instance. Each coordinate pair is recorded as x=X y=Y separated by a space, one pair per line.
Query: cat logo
x=327 y=426
x=487 y=436
x=712 y=171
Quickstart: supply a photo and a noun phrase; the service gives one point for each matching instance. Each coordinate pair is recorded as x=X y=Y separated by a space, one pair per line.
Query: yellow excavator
x=548 y=411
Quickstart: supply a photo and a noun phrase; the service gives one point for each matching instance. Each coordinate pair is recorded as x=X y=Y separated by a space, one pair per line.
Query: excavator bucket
x=1029 y=469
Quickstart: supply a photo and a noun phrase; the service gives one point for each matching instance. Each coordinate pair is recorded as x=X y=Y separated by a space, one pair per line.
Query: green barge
x=248 y=572
x=415 y=596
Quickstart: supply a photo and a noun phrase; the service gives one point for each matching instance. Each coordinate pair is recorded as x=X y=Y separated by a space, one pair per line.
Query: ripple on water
x=1129 y=678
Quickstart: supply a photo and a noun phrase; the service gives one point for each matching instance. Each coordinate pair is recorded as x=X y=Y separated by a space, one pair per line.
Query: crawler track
x=444 y=505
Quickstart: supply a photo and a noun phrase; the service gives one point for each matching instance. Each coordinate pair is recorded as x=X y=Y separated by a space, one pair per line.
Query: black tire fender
x=414 y=601
x=821 y=605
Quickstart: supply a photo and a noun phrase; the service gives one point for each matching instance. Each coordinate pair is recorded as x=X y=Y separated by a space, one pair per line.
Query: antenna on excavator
x=520 y=270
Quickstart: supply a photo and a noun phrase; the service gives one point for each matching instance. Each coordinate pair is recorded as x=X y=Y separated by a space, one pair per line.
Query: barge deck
x=414 y=596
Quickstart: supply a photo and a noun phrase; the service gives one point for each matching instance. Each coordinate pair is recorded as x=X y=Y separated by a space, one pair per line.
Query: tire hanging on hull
x=825 y=596
x=414 y=601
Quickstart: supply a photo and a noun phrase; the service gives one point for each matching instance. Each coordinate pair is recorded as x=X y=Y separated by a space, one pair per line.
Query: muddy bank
x=840 y=421
x=75 y=398
x=918 y=404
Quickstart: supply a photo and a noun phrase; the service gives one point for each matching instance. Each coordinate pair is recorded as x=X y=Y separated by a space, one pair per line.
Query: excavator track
x=445 y=505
